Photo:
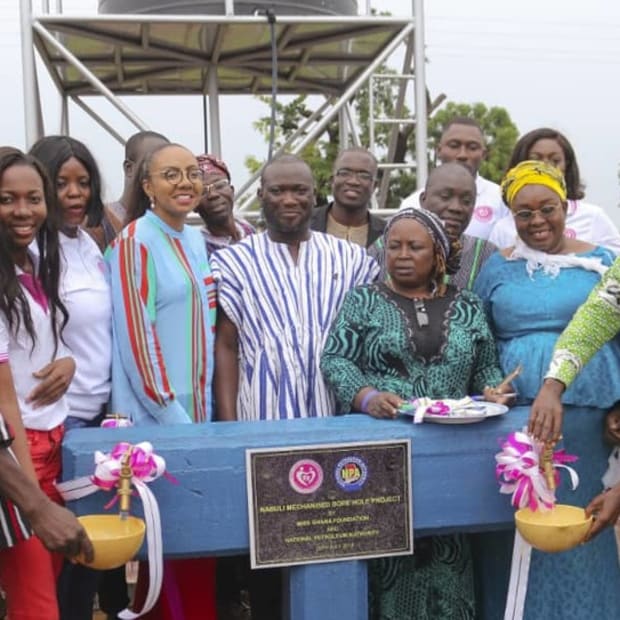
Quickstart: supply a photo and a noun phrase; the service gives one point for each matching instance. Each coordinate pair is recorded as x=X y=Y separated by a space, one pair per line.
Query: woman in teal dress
x=413 y=337
x=530 y=292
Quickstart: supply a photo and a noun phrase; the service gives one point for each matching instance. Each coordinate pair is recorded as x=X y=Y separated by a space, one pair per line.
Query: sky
x=548 y=63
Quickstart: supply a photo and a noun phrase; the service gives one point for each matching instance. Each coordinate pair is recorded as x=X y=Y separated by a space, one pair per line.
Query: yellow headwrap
x=532 y=173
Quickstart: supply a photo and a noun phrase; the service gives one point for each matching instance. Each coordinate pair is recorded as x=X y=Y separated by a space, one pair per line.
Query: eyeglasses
x=525 y=215
x=218 y=186
x=175 y=175
x=360 y=175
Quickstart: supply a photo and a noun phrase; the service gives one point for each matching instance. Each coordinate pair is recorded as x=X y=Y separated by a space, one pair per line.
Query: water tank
x=216 y=7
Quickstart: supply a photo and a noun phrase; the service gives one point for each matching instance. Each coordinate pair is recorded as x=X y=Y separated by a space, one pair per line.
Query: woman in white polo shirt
x=86 y=294
x=35 y=368
x=83 y=286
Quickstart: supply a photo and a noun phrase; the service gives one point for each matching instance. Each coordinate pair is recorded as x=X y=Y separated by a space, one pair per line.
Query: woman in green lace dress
x=414 y=336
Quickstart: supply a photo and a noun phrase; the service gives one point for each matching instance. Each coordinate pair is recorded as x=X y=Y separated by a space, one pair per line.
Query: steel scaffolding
x=115 y=55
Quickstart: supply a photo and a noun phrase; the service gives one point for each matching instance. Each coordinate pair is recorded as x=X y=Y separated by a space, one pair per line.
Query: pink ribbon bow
x=145 y=465
x=438 y=408
x=519 y=473
x=116 y=422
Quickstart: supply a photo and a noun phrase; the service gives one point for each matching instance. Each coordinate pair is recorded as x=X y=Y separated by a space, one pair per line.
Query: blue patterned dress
x=527 y=316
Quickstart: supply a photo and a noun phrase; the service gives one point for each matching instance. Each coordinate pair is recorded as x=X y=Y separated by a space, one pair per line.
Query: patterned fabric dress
x=594 y=324
x=282 y=310
x=529 y=314
x=378 y=340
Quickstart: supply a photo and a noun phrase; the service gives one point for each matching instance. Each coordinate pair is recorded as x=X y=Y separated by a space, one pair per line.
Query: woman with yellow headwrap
x=530 y=292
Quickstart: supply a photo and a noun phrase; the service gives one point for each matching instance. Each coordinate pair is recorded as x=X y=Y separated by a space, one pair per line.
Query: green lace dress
x=441 y=348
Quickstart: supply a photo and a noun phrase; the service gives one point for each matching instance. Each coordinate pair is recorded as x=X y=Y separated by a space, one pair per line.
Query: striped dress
x=283 y=310
x=13 y=528
x=163 y=309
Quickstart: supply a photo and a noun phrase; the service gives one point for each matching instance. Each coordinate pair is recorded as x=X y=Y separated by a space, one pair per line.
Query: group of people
x=125 y=308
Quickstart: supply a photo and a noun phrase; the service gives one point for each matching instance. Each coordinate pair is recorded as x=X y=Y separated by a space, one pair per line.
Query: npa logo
x=305 y=476
x=483 y=214
x=351 y=473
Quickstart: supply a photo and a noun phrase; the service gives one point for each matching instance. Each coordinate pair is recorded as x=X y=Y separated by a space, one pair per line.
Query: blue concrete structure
x=454 y=488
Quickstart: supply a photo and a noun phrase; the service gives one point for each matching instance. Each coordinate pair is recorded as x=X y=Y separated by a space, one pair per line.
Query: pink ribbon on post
x=518 y=471
x=145 y=466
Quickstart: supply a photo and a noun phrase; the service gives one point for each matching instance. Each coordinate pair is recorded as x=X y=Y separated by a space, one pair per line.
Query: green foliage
x=499 y=130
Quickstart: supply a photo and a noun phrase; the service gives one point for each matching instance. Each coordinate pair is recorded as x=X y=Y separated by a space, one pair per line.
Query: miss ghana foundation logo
x=305 y=476
x=351 y=473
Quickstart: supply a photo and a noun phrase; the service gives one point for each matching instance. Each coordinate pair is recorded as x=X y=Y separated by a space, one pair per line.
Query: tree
x=499 y=130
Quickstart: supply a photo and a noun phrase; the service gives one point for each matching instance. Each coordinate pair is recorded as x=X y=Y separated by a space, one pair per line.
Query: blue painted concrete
x=454 y=488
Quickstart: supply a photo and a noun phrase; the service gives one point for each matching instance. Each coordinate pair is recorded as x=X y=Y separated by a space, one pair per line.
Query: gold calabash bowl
x=115 y=541
x=559 y=529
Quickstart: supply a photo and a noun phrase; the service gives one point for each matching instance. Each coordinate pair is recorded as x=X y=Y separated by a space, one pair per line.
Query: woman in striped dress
x=163 y=306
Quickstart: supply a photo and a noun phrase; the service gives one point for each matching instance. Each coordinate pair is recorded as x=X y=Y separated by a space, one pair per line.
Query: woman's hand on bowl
x=384 y=405
x=545 y=423
x=606 y=510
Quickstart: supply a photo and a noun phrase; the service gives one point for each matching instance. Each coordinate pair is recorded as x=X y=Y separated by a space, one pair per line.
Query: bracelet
x=367 y=398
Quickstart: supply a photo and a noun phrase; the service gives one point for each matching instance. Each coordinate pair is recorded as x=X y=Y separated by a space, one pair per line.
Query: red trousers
x=28 y=571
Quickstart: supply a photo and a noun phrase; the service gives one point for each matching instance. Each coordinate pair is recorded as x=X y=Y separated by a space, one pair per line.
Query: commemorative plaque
x=331 y=502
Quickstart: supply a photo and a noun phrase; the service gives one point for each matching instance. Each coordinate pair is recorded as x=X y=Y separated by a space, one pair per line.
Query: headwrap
x=210 y=164
x=531 y=172
x=434 y=226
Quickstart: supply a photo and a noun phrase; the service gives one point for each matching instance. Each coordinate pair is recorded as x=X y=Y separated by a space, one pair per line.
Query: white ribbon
x=519 y=574
x=518 y=468
x=107 y=471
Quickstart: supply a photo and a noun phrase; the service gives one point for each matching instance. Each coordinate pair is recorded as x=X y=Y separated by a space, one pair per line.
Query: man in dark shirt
x=348 y=217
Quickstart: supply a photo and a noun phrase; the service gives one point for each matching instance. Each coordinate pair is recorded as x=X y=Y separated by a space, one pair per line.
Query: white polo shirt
x=25 y=359
x=584 y=221
x=85 y=292
x=488 y=210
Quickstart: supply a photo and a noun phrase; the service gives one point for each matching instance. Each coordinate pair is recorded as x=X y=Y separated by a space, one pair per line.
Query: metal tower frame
x=209 y=55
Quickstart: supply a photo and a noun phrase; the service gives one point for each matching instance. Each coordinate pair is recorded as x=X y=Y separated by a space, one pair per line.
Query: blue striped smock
x=283 y=311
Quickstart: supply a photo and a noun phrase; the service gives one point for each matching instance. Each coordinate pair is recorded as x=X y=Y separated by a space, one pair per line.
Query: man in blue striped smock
x=278 y=293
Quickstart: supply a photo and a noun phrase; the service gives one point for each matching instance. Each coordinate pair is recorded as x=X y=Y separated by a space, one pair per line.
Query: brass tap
x=547 y=464
x=124 y=485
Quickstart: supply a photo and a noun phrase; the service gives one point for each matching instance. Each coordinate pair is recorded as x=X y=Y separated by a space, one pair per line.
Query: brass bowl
x=559 y=529
x=115 y=541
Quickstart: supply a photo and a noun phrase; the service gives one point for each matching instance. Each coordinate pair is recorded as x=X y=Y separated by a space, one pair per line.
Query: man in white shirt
x=462 y=141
